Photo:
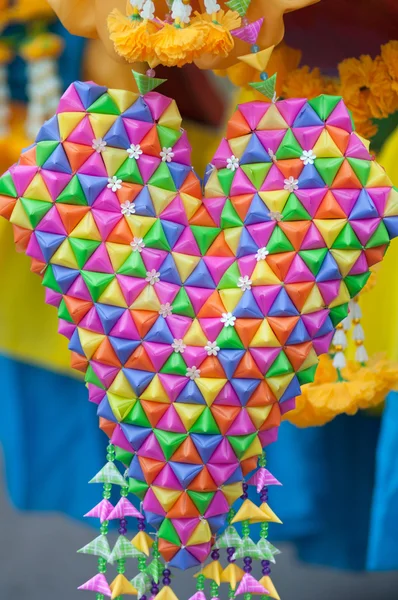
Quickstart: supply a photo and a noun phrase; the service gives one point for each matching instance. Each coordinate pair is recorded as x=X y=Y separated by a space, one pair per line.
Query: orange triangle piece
x=121 y=233
x=77 y=154
x=219 y=247
x=290 y=167
x=71 y=215
x=283 y=327
x=262 y=396
x=7 y=206
x=129 y=192
x=273 y=419
x=295 y=231
x=346 y=178
x=186 y=452
x=37 y=266
x=144 y=319
x=167 y=550
x=77 y=308
x=192 y=186
x=28 y=157
x=203 y=482
x=211 y=367
x=242 y=204
x=248 y=465
x=297 y=354
x=329 y=208
x=150 y=143
x=202 y=218
x=341 y=137
x=107 y=426
x=280 y=263
x=105 y=354
x=237 y=126
x=247 y=368
x=21 y=237
x=78 y=362
x=184 y=508
x=212 y=308
x=154 y=411
x=375 y=255
x=224 y=416
x=246 y=329
x=140 y=360
x=299 y=292
x=151 y=468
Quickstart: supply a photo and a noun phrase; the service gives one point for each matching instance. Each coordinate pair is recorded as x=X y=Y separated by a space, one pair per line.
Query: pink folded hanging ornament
x=124 y=508
x=263 y=478
x=250 y=585
x=249 y=33
x=98 y=584
x=101 y=511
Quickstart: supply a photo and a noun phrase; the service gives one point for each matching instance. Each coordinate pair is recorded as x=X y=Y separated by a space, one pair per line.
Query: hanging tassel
x=5 y=112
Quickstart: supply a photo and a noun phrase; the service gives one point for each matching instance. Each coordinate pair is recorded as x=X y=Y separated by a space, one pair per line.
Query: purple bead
x=247 y=560
x=230 y=550
x=154 y=588
x=166 y=581
x=143 y=597
x=123 y=522
x=247 y=568
x=122 y=530
x=265 y=563
x=141 y=524
x=215 y=555
x=266 y=571
x=166 y=572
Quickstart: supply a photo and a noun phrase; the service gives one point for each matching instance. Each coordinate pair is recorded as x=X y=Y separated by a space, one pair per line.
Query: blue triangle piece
x=104 y=410
x=292 y=390
x=326 y=328
x=49 y=131
x=153 y=519
x=135 y=469
x=109 y=315
x=58 y=161
x=283 y=306
x=185 y=472
x=237 y=475
x=309 y=178
x=307 y=117
x=391 y=224
x=191 y=394
x=183 y=560
x=205 y=444
x=257 y=213
x=247 y=307
x=159 y=332
x=123 y=348
x=139 y=380
x=229 y=360
x=49 y=243
x=139 y=111
x=364 y=207
x=92 y=186
x=246 y=244
x=200 y=277
x=216 y=523
x=117 y=135
x=329 y=269
x=254 y=152
x=244 y=388
x=299 y=334
x=172 y=231
x=179 y=173
x=88 y=92
x=64 y=277
x=74 y=343
x=135 y=435
x=208 y=171
x=169 y=272
x=143 y=204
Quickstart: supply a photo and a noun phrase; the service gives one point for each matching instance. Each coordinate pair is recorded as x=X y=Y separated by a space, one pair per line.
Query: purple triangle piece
x=227 y=396
x=58 y=161
x=34 y=251
x=89 y=92
x=107 y=201
x=64 y=327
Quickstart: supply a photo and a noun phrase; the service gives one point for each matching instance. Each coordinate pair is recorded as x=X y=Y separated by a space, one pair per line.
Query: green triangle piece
x=267 y=87
x=229 y=538
x=91 y=377
x=73 y=193
x=169 y=441
x=96 y=283
x=257 y=172
x=35 y=210
x=156 y=238
x=289 y=147
x=130 y=172
x=228 y=338
x=7 y=187
x=338 y=313
x=124 y=549
x=379 y=238
x=133 y=266
x=280 y=366
x=97 y=547
x=104 y=105
x=137 y=416
x=109 y=474
x=361 y=169
x=146 y=84
x=168 y=137
x=307 y=376
x=201 y=500
x=154 y=569
x=44 y=151
x=226 y=177
x=63 y=312
x=313 y=259
x=139 y=488
x=352 y=119
x=83 y=249
x=328 y=168
x=278 y=242
x=355 y=283
x=123 y=456
x=182 y=304
x=205 y=424
x=204 y=236
x=49 y=280
x=230 y=278
x=229 y=216
x=162 y=178
x=347 y=240
x=294 y=210
x=324 y=104
x=175 y=365
x=240 y=6
x=167 y=532
x=240 y=443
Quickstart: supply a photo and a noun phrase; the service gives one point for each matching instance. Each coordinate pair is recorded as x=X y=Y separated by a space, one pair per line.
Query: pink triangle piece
x=157 y=104
x=175 y=212
x=95 y=394
x=92 y=321
x=322 y=344
x=178 y=325
x=313 y=239
x=241 y=184
x=242 y=424
x=262 y=478
x=211 y=328
x=274 y=180
x=151 y=449
x=218 y=506
x=224 y=454
x=288 y=405
x=153 y=258
x=249 y=33
x=221 y=155
x=98 y=584
x=152 y=504
x=79 y=290
x=268 y=437
x=22 y=175
x=200 y=551
x=101 y=510
x=147 y=166
x=105 y=373
x=182 y=150
x=125 y=328
x=250 y=585
x=311 y=199
x=64 y=327
x=99 y=261
x=34 y=251
x=346 y=198
x=136 y=130
x=186 y=244
x=158 y=353
x=70 y=101
x=106 y=221
x=194 y=355
x=54 y=299
x=364 y=229
x=329 y=290
x=198 y=296
x=166 y=477
x=314 y=321
x=217 y=266
x=94 y=165
x=83 y=133
x=227 y=396
x=131 y=287
x=166 y=292
x=307 y=136
x=356 y=148
x=379 y=197
x=264 y=357
x=340 y=117
x=198 y=596
x=123 y=509
x=261 y=232
x=247 y=264
x=119 y=439
x=265 y=296
x=51 y=223
x=107 y=201
x=55 y=182
x=361 y=265
x=253 y=112
x=214 y=207
x=298 y=272
x=290 y=108
x=185 y=528
x=271 y=139
x=173 y=384
x=220 y=473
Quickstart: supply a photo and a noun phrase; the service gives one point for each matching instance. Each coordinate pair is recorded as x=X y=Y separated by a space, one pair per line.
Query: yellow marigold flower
x=389 y=54
x=219 y=41
x=304 y=83
x=177 y=46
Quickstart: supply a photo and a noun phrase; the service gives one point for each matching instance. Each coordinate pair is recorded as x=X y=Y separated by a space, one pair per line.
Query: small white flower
x=99 y=145
x=134 y=151
x=127 y=208
x=148 y=10
x=272 y=155
x=291 y=184
x=178 y=346
x=114 y=183
x=245 y=283
x=232 y=163
x=165 y=310
x=152 y=277
x=167 y=154
x=193 y=373
x=228 y=319
x=137 y=244
x=262 y=254
x=275 y=215
x=212 y=349
x=308 y=157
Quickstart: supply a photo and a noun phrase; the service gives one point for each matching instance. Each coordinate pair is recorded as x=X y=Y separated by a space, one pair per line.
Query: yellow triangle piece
x=377 y=176
x=345 y=259
x=123 y=99
x=343 y=297
x=258 y=414
x=249 y=512
x=121 y=387
x=254 y=449
x=314 y=301
x=155 y=392
x=140 y=226
x=171 y=117
x=160 y=198
x=37 y=190
x=263 y=274
x=101 y=123
x=230 y=298
x=166 y=496
x=166 y=593
x=238 y=145
x=329 y=229
x=265 y=337
x=195 y=336
x=201 y=534
x=279 y=384
x=86 y=229
x=275 y=200
x=185 y=264
x=258 y=60
x=364 y=141
x=269 y=513
x=213 y=187
x=120 y=406
x=232 y=492
x=191 y=204
x=188 y=413
x=89 y=341
x=391 y=209
x=64 y=256
x=269 y=586
x=210 y=388
x=19 y=216
x=272 y=119
x=113 y=295
x=113 y=159
x=147 y=300
x=232 y=574
x=67 y=122
x=212 y=571
x=311 y=360
x=232 y=237
x=325 y=147
x=118 y=254
x=121 y=585
x=142 y=541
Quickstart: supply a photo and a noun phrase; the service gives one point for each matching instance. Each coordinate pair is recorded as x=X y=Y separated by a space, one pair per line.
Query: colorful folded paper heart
x=196 y=315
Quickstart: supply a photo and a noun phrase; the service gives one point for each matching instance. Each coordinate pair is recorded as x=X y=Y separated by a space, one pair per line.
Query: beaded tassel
x=4 y=100
x=358 y=334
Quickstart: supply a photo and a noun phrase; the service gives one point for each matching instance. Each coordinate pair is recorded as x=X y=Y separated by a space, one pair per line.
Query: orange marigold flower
x=389 y=54
x=303 y=83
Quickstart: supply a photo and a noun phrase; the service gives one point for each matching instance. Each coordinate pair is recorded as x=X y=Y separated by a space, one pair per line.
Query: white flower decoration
x=148 y=10
x=275 y=215
x=232 y=163
x=212 y=349
x=308 y=157
x=245 y=283
x=178 y=346
x=291 y=184
x=127 y=208
x=152 y=277
x=211 y=6
x=165 y=310
x=193 y=373
x=137 y=244
x=272 y=155
x=114 y=183
x=99 y=145
x=228 y=319
x=167 y=154
x=134 y=151
x=262 y=254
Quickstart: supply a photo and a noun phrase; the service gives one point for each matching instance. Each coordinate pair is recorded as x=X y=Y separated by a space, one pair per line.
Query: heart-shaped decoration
x=196 y=319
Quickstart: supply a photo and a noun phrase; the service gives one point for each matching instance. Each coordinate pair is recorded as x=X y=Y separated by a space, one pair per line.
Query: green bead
x=200 y=582
x=231 y=593
x=104 y=528
x=214 y=589
x=264 y=530
x=124 y=492
x=247 y=596
x=107 y=487
x=245 y=528
x=106 y=495
x=99 y=596
x=231 y=514
x=263 y=460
